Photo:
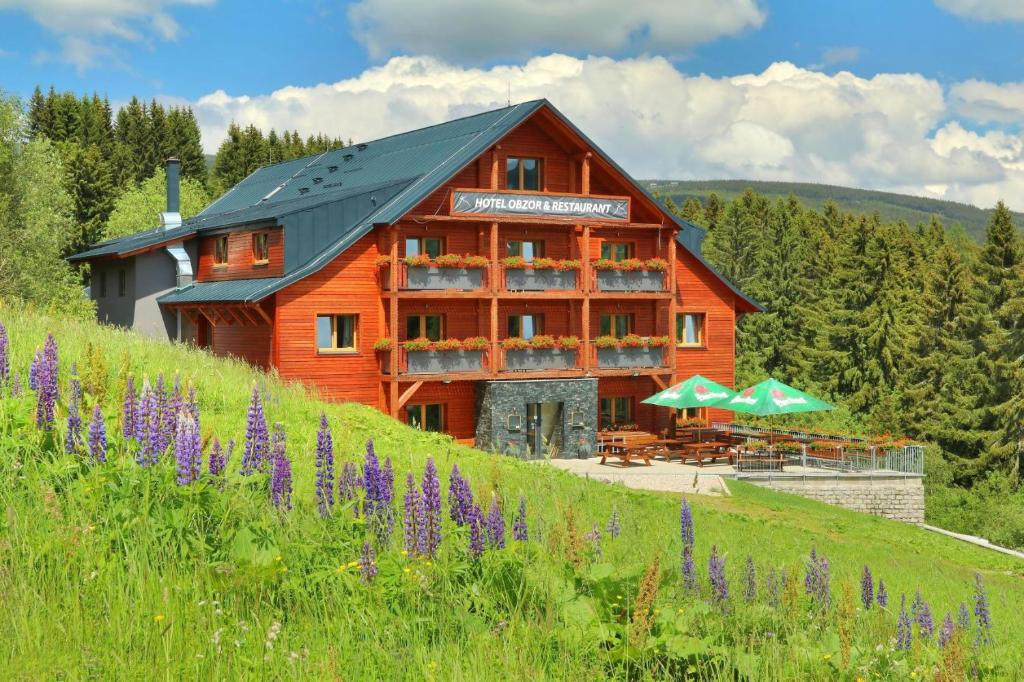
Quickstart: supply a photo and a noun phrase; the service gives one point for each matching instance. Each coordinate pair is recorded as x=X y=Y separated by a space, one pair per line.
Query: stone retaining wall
x=893 y=497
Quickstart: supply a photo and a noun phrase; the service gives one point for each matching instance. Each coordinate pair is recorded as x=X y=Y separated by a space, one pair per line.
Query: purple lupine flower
x=73 y=441
x=477 y=532
x=5 y=355
x=166 y=417
x=963 y=617
x=904 y=628
x=216 y=464
x=460 y=497
x=377 y=508
x=771 y=587
x=367 y=563
x=256 y=453
x=689 y=571
x=882 y=597
x=811 y=575
x=867 y=588
x=348 y=486
x=411 y=507
x=495 y=525
x=750 y=581
x=594 y=538
x=981 y=613
x=925 y=624
x=187 y=449
x=520 y=531
x=915 y=606
x=824 y=593
x=74 y=385
x=613 y=527
x=686 y=523
x=281 y=471
x=946 y=631
x=47 y=384
x=97 y=437
x=130 y=412
x=33 y=370
x=716 y=574
x=324 y=467
x=149 y=424
x=431 y=496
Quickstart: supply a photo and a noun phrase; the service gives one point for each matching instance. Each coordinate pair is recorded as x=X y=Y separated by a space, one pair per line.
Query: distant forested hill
x=890 y=206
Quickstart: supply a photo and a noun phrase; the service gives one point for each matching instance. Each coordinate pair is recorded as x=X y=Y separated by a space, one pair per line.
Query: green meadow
x=113 y=571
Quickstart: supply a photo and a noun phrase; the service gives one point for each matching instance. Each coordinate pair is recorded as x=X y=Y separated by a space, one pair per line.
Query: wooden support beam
x=393 y=318
x=673 y=305
x=660 y=382
x=494 y=167
x=256 y=307
x=408 y=393
x=209 y=317
x=585 y=174
x=585 y=314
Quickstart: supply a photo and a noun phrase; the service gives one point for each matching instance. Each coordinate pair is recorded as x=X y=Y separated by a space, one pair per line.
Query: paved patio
x=661 y=475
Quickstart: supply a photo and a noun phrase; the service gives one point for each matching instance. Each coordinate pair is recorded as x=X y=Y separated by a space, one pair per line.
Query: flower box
x=630 y=357
x=630 y=280
x=444 y=278
x=444 y=361
x=533 y=279
x=535 y=359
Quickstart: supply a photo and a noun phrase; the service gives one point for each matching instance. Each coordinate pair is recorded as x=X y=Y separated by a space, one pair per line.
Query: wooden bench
x=638 y=447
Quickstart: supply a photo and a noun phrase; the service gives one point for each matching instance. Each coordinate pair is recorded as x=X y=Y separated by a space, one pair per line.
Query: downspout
x=169 y=220
x=183 y=273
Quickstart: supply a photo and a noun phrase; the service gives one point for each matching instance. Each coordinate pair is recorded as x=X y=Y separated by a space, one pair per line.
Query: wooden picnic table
x=700 y=451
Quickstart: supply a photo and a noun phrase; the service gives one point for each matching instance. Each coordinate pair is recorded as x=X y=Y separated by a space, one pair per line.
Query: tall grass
x=115 y=572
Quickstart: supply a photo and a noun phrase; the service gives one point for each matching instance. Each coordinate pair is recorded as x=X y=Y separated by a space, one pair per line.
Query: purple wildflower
x=689 y=571
x=520 y=531
x=377 y=505
x=130 y=412
x=281 y=471
x=750 y=581
x=97 y=437
x=411 y=507
x=148 y=425
x=5 y=355
x=686 y=523
x=74 y=385
x=33 y=370
x=217 y=464
x=882 y=597
x=771 y=587
x=867 y=588
x=460 y=497
x=594 y=537
x=915 y=606
x=187 y=449
x=46 y=383
x=73 y=441
x=716 y=574
x=981 y=612
x=348 y=486
x=824 y=593
x=946 y=631
x=431 y=495
x=613 y=527
x=256 y=452
x=904 y=628
x=811 y=576
x=171 y=411
x=324 y=467
x=367 y=563
x=164 y=418
x=495 y=526
x=475 y=521
x=925 y=624
x=963 y=617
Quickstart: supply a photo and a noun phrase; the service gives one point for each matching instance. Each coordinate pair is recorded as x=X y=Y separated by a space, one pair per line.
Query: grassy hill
x=112 y=571
x=890 y=206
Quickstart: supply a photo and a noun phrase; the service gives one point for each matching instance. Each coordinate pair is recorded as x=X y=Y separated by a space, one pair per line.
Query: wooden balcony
x=435 y=279
x=531 y=360
x=630 y=357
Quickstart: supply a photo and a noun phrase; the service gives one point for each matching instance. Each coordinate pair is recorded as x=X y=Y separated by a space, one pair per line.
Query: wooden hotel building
x=496 y=277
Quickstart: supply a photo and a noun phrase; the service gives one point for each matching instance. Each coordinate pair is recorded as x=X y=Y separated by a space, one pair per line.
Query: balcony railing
x=531 y=279
x=629 y=357
x=539 y=359
x=433 y=278
x=436 y=361
x=630 y=280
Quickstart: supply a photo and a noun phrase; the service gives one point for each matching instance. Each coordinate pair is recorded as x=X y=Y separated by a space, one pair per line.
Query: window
x=430 y=326
x=616 y=411
x=103 y=284
x=522 y=173
x=617 y=251
x=526 y=326
x=260 y=249
x=425 y=417
x=336 y=332
x=430 y=246
x=220 y=250
x=690 y=329
x=528 y=250
x=616 y=324
x=122 y=282
x=691 y=413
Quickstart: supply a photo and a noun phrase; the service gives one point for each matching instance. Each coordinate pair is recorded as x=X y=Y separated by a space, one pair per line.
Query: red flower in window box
x=382 y=344
x=569 y=342
x=475 y=343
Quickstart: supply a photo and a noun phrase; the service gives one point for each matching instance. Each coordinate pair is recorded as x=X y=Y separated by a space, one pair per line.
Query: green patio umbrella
x=694 y=392
x=771 y=397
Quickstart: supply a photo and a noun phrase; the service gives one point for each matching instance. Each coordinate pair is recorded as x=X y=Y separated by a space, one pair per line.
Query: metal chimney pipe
x=173 y=185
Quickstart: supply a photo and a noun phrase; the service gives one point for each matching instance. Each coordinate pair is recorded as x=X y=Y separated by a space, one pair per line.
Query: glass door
x=543 y=428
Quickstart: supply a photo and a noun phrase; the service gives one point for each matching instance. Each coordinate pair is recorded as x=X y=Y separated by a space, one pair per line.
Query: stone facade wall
x=497 y=400
x=892 y=497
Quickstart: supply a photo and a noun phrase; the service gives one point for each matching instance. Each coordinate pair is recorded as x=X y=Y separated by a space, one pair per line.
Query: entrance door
x=543 y=428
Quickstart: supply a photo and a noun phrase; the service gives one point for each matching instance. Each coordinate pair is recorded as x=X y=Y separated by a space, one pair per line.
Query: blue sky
x=931 y=102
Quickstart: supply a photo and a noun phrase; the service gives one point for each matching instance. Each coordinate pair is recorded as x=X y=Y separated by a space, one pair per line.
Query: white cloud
x=478 y=30
x=840 y=55
x=989 y=102
x=85 y=28
x=891 y=132
x=985 y=10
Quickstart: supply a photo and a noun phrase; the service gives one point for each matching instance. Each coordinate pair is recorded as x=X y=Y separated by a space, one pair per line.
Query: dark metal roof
x=235 y=291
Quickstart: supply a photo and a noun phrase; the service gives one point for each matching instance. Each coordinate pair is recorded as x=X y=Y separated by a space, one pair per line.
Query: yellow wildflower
x=157 y=618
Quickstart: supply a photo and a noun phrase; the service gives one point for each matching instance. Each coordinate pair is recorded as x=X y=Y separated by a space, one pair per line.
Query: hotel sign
x=546 y=205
